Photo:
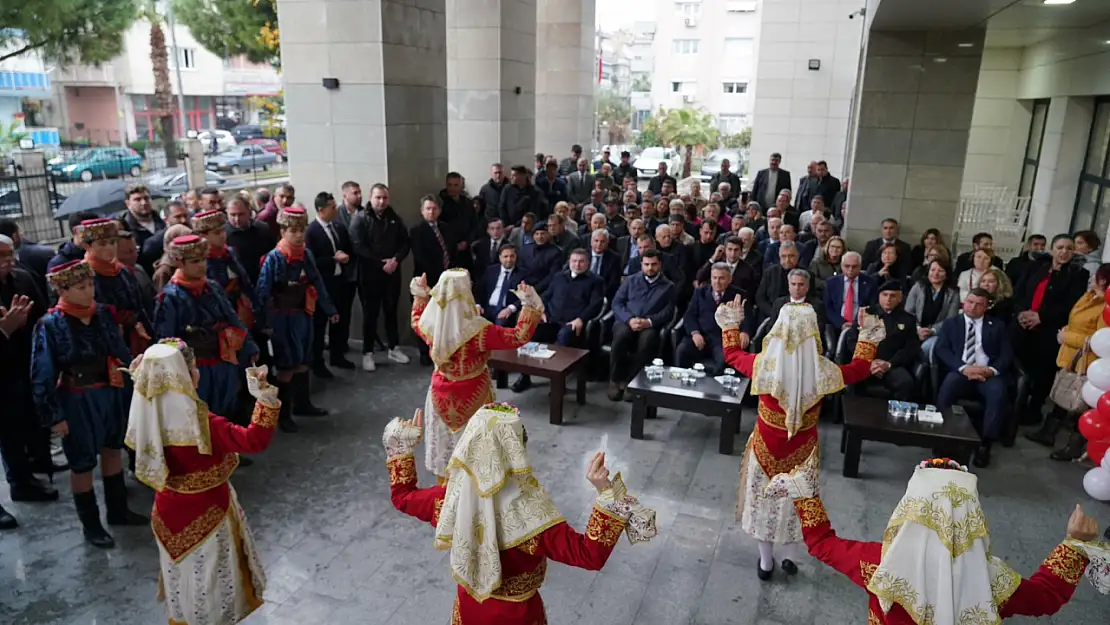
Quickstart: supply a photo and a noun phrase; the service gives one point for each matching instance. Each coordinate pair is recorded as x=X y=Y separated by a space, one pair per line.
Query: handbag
x=1067 y=388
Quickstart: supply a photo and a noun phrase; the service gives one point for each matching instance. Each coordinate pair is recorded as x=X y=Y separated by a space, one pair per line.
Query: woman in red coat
x=935 y=563
x=210 y=570
x=499 y=523
x=791 y=377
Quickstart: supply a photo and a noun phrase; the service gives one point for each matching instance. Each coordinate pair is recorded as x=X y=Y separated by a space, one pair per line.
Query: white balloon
x=1100 y=343
x=1099 y=373
x=1097 y=483
x=1091 y=393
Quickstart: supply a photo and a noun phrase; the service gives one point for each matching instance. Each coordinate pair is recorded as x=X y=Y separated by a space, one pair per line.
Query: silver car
x=647 y=163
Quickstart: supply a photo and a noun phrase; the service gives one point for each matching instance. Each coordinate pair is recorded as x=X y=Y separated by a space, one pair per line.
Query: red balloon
x=1094 y=426
x=1097 y=450
x=1103 y=407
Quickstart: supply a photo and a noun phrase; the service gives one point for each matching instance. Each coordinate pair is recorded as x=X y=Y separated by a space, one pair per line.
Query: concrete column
x=1067 y=129
x=491 y=86
x=916 y=107
x=387 y=120
x=566 y=76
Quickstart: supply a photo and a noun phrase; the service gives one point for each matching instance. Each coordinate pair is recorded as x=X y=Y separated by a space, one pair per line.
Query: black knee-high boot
x=285 y=414
x=302 y=397
x=115 y=499
x=89 y=513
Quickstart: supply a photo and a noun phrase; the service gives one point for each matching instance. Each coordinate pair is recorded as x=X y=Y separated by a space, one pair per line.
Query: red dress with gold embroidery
x=197 y=498
x=462 y=385
x=523 y=568
x=775 y=451
x=1042 y=594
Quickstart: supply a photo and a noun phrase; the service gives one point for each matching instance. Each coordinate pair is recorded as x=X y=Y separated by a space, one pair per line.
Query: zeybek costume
x=227 y=271
x=75 y=377
x=210 y=572
x=935 y=563
x=200 y=313
x=791 y=378
x=460 y=341
x=498 y=522
x=116 y=286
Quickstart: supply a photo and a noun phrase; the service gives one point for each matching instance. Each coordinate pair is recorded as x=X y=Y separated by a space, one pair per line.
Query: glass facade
x=200 y=114
x=1092 y=204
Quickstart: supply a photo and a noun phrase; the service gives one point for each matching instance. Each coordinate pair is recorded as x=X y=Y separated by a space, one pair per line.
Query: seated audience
x=844 y=295
x=485 y=250
x=897 y=354
x=1084 y=320
x=626 y=245
x=786 y=233
x=604 y=263
x=798 y=283
x=1001 y=292
x=735 y=225
x=826 y=261
x=932 y=302
x=522 y=236
x=773 y=284
x=494 y=291
x=977 y=357
x=702 y=335
x=873 y=249
x=936 y=253
x=981 y=241
x=643 y=306
x=744 y=276
x=706 y=245
x=566 y=240
x=888 y=267
x=920 y=252
x=969 y=278
x=541 y=260
x=1033 y=250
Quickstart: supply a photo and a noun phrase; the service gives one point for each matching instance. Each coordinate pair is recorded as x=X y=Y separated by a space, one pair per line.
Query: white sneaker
x=368 y=362
x=398 y=356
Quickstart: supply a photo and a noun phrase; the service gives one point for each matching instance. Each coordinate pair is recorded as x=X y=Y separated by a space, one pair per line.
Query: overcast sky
x=614 y=14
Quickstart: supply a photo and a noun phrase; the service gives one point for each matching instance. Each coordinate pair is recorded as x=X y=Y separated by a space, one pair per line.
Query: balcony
x=86 y=76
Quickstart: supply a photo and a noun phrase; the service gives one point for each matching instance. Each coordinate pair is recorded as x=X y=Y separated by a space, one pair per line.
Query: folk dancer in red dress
x=460 y=341
x=935 y=563
x=210 y=570
x=791 y=377
x=498 y=522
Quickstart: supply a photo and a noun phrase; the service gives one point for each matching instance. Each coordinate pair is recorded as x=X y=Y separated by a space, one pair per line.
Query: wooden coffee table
x=707 y=397
x=567 y=360
x=868 y=419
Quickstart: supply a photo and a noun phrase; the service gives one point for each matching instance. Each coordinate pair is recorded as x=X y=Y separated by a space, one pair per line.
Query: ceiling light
x=940 y=59
x=1057 y=2
x=967 y=45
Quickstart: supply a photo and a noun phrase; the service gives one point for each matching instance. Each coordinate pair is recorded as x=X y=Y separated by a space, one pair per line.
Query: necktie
x=492 y=248
x=969 y=344
x=849 y=302
x=331 y=235
x=716 y=297
x=595 y=266
x=442 y=244
x=501 y=288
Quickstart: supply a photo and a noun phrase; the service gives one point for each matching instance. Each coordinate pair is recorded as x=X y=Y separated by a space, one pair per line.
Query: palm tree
x=616 y=112
x=163 y=91
x=688 y=128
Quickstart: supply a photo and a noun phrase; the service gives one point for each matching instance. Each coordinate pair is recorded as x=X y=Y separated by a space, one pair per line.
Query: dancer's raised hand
x=401 y=436
x=597 y=474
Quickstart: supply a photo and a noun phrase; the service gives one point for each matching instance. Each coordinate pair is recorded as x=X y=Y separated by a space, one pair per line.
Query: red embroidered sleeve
x=588 y=551
x=418 y=306
x=739 y=359
x=497 y=337
x=255 y=438
x=422 y=503
x=858 y=560
x=1050 y=587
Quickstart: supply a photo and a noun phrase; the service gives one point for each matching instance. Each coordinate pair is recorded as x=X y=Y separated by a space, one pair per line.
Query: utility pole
x=178 y=57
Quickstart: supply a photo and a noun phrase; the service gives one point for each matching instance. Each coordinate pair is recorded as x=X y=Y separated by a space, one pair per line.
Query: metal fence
x=30 y=195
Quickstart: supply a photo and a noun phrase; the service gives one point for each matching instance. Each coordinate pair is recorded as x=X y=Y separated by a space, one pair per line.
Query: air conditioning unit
x=691 y=22
x=688 y=98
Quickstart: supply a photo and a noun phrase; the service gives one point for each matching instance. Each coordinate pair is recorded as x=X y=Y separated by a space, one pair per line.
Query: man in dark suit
x=432 y=252
x=828 y=185
x=745 y=277
x=1033 y=250
x=892 y=367
x=580 y=183
x=142 y=221
x=978 y=357
x=604 y=263
x=485 y=249
x=655 y=185
x=725 y=175
x=702 y=334
x=151 y=250
x=626 y=248
x=787 y=233
x=903 y=267
x=331 y=248
x=494 y=290
x=773 y=284
x=769 y=182
x=24 y=443
x=541 y=261
x=642 y=307
x=798 y=291
x=842 y=303
x=562 y=238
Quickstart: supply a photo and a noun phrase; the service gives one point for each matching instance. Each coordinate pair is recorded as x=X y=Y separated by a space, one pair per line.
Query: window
x=199 y=114
x=738 y=47
x=687 y=9
x=1033 y=148
x=735 y=87
x=684 y=46
x=676 y=87
x=741 y=6
x=187 y=57
x=1092 y=205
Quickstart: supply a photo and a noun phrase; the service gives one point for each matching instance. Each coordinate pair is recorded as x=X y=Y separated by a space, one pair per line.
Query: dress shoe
x=33 y=490
x=321 y=370
x=615 y=392
x=982 y=457
x=522 y=384
x=1077 y=444
x=1046 y=435
x=789 y=567
x=764 y=576
x=342 y=363
x=7 y=521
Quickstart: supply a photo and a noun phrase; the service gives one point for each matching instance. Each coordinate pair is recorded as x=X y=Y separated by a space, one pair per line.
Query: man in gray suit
x=580 y=183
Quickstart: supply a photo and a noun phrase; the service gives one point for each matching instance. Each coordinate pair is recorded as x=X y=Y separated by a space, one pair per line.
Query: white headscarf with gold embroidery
x=165 y=412
x=936 y=561
x=493 y=502
x=791 y=368
x=451 y=317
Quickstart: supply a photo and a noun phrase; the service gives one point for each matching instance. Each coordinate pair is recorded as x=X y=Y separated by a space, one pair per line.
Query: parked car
x=247 y=131
x=273 y=146
x=224 y=140
x=647 y=163
x=241 y=158
x=93 y=163
x=712 y=164
x=172 y=182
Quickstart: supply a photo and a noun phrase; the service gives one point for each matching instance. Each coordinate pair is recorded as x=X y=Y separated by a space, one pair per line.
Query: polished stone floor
x=337 y=553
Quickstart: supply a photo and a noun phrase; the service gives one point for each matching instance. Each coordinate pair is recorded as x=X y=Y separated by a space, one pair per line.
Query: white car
x=647 y=164
x=224 y=140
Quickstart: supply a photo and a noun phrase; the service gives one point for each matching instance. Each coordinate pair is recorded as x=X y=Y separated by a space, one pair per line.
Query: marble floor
x=336 y=551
